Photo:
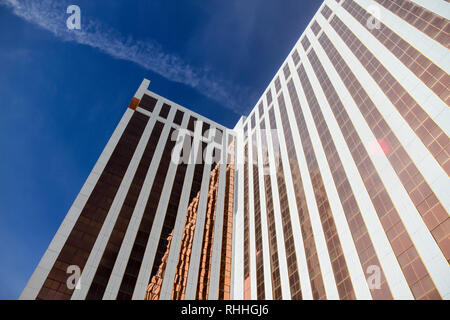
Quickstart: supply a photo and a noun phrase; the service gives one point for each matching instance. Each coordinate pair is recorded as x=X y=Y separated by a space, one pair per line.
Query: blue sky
x=63 y=92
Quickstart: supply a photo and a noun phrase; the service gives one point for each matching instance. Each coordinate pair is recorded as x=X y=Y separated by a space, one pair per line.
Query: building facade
x=333 y=187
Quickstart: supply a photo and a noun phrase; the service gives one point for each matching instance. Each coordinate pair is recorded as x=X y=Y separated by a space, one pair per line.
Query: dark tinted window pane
x=148 y=103
x=178 y=117
x=164 y=111
x=191 y=124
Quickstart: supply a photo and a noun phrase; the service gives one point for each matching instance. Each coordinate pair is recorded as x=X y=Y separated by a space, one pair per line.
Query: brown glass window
x=432 y=136
x=164 y=111
x=191 y=124
x=260 y=294
x=361 y=238
x=205 y=129
x=178 y=117
x=345 y=287
x=398 y=237
x=273 y=247
x=148 y=103
x=315 y=274
x=428 y=22
x=247 y=286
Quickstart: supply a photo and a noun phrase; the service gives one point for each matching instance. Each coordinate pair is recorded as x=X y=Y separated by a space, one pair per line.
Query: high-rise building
x=334 y=186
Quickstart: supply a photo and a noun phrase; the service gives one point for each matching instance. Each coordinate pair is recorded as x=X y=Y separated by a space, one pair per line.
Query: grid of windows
x=165 y=109
x=291 y=257
x=431 y=75
x=413 y=181
x=227 y=234
x=358 y=229
x=410 y=262
x=431 y=24
x=338 y=263
x=285 y=120
x=312 y=260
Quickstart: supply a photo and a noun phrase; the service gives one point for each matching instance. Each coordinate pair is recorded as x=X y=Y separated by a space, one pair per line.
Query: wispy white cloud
x=51 y=16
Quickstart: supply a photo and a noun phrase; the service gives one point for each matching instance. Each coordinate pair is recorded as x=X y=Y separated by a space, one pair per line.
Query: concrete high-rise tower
x=334 y=187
